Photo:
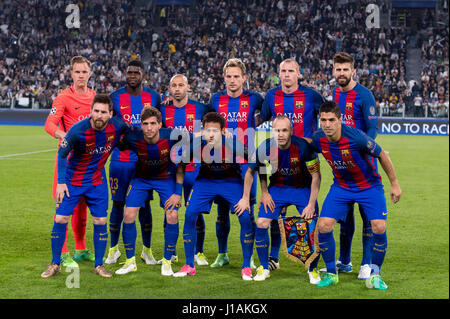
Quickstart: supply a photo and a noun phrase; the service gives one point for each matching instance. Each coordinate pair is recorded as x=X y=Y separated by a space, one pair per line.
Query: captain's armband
x=313 y=165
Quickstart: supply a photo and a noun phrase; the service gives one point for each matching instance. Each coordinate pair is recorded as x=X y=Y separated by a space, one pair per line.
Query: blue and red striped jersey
x=301 y=107
x=358 y=108
x=187 y=118
x=239 y=113
x=87 y=150
x=129 y=108
x=290 y=166
x=350 y=158
x=220 y=161
x=154 y=160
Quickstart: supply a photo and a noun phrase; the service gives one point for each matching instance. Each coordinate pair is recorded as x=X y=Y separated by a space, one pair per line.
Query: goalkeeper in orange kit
x=70 y=106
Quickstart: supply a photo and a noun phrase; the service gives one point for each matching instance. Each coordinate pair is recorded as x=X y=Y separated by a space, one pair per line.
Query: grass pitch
x=416 y=265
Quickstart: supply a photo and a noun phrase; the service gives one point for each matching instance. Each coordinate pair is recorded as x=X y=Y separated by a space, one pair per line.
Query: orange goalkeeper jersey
x=68 y=108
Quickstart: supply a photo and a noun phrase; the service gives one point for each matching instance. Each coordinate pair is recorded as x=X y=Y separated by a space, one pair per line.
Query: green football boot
x=221 y=260
x=67 y=261
x=375 y=281
x=328 y=280
x=84 y=254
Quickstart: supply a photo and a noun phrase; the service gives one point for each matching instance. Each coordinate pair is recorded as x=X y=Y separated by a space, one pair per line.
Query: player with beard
x=82 y=155
x=128 y=103
x=358 y=110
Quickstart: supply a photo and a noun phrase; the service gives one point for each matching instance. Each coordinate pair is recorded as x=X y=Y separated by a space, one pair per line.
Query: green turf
x=416 y=265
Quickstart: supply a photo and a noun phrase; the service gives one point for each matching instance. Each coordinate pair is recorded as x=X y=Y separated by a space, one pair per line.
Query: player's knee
x=378 y=226
x=326 y=224
x=172 y=216
x=130 y=214
x=61 y=219
x=263 y=222
x=99 y=220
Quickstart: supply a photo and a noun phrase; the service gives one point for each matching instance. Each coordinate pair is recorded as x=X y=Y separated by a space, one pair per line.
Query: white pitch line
x=27 y=153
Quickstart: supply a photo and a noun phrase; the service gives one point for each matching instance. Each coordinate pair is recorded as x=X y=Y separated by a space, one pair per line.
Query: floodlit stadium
x=400 y=54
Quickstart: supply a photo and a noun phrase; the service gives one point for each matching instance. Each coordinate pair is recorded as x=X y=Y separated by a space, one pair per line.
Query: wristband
x=178 y=189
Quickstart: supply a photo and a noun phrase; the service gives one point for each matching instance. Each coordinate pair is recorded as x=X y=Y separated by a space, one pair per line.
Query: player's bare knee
x=61 y=219
x=326 y=224
x=130 y=214
x=263 y=222
x=172 y=216
x=378 y=226
x=99 y=220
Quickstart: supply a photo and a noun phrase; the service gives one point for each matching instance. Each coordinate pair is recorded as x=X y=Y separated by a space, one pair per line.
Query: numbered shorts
x=120 y=176
x=284 y=196
x=96 y=198
x=205 y=191
x=339 y=201
x=140 y=191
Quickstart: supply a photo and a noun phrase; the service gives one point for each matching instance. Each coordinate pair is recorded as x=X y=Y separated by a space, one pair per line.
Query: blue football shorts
x=96 y=198
x=140 y=191
x=205 y=191
x=339 y=200
x=120 y=176
x=284 y=196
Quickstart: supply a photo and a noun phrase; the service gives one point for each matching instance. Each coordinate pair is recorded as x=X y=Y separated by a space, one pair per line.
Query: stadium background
x=404 y=61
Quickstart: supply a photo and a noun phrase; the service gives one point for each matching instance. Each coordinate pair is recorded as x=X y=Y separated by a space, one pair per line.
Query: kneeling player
x=295 y=180
x=219 y=178
x=348 y=150
x=155 y=171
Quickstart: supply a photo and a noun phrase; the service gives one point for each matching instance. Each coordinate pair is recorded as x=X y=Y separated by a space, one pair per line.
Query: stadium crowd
x=261 y=32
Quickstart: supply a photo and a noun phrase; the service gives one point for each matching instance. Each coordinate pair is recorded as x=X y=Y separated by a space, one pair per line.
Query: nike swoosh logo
x=77 y=107
x=123 y=107
x=324 y=151
x=278 y=104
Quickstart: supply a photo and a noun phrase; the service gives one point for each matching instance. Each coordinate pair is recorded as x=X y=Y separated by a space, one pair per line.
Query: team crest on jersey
x=164 y=152
x=110 y=138
x=299 y=104
x=345 y=152
x=349 y=105
x=244 y=103
x=190 y=117
x=295 y=160
x=147 y=104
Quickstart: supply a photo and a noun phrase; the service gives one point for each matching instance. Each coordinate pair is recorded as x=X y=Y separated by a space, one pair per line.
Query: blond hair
x=235 y=62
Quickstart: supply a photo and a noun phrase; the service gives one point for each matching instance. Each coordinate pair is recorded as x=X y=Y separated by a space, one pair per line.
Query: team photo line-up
x=207 y=152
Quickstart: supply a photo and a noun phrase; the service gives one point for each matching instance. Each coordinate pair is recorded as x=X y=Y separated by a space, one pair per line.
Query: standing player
x=238 y=107
x=155 y=171
x=219 y=177
x=128 y=103
x=186 y=114
x=301 y=105
x=358 y=110
x=69 y=107
x=295 y=180
x=348 y=151
x=81 y=160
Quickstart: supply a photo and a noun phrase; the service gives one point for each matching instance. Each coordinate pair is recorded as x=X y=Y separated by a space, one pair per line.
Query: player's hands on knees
x=61 y=190
x=267 y=201
x=308 y=212
x=173 y=202
x=396 y=193
x=241 y=206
